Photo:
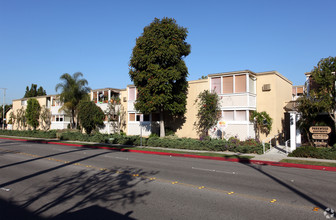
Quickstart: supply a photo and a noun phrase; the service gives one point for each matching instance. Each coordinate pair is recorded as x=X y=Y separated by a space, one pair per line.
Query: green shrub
x=208 y=144
x=313 y=152
x=30 y=133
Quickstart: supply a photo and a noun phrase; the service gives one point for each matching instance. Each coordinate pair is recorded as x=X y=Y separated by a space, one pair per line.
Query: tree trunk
x=73 y=119
x=162 y=128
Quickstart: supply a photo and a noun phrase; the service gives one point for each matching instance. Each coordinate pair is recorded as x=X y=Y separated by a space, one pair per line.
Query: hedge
x=30 y=133
x=314 y=152
x=233 y=144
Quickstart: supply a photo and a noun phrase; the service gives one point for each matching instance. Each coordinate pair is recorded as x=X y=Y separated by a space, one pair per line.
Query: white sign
x=222 y=124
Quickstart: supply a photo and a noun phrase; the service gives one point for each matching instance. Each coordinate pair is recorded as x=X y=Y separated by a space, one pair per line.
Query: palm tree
x=73 y=90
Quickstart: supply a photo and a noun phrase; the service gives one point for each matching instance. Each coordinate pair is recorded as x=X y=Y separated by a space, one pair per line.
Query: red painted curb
x=260 y=162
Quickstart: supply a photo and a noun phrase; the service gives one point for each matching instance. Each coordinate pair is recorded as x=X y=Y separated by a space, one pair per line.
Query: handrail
x=286 y=145
x=270 y=142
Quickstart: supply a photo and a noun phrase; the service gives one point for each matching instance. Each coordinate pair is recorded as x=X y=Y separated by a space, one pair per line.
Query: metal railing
x=270 y=142
x=286 y=145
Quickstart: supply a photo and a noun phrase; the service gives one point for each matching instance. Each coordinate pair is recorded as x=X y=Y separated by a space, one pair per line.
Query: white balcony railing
x=238 y=100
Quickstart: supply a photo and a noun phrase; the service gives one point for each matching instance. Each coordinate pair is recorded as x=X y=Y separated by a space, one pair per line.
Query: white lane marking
x=218 y=171
x=5 y=189
x=121 y=158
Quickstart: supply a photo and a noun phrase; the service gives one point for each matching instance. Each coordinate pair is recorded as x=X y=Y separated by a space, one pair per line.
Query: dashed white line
x=5 y=189
x=218 y=171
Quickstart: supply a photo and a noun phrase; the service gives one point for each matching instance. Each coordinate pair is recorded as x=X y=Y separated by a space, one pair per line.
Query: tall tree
x=33 y=113
x=73 y=90
x=33 y=91
x=90 y=116
x=324 y=75
x=158 y=70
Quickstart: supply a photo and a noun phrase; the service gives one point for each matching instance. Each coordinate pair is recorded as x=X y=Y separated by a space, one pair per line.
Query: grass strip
x=307 y=162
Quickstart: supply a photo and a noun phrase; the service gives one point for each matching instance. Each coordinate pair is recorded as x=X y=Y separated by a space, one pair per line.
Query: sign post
x=222 y=125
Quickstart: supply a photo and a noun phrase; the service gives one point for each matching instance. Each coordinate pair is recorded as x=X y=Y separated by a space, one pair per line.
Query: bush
x=208 y=144
x=30 y=133
x=314 y=152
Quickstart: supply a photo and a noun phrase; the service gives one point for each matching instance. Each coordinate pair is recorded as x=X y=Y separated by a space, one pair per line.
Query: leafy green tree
x=73 y=90
x=207 y=115
x=158 y=70
x=262 y=122
x=90 y=116
x=324 y=93
x=309 y=109
x=33 y=113
x=33 y=91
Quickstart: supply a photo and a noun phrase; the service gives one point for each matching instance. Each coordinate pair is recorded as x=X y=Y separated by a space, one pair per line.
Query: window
x=240 y=115
x=240 y=83
x=216 y=85
x=228 y=115
x=58 y=118
x=132 y=117
x=138 y=117
x=131 y=93
x=231 y=115
x=24 y=102
x=227 y=84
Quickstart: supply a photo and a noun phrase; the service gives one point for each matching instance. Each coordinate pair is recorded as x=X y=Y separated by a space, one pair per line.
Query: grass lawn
x=309 y=162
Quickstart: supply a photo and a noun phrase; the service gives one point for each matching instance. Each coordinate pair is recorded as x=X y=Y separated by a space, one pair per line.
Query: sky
x=42 y=39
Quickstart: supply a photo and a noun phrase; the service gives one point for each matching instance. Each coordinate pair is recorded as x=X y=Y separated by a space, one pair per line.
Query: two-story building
x=240 y=92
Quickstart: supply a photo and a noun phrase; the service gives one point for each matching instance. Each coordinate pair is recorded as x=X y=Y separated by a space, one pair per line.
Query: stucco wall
x=273 y=101
x=188 y=128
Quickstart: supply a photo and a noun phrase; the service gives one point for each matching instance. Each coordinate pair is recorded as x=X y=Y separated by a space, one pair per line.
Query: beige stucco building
x=240 y=92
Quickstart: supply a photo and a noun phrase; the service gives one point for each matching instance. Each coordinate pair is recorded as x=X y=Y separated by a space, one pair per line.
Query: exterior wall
x=195 y=88
x=43 y=101
x=273 y=101
x=123 y=110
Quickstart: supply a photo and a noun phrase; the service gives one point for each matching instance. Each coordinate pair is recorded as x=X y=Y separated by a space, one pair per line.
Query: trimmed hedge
x=313 y=152
x=233 y=144
x=30 y=133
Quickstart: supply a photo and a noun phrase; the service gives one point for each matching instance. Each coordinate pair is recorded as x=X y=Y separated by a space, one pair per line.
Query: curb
x=259 y=162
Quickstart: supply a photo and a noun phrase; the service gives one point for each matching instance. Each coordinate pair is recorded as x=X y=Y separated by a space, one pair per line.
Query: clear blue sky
x=42 y=39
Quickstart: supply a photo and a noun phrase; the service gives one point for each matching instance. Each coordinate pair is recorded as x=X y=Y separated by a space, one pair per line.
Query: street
x=45 y=181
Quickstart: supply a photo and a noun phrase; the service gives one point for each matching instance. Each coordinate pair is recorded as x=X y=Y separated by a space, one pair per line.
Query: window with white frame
x=60 y=118
x=138 y=117
x=131 y=93
x=229 y=84
x=234 y=115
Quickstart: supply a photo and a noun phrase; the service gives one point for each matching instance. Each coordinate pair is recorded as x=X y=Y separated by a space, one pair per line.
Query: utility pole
x=3 y=108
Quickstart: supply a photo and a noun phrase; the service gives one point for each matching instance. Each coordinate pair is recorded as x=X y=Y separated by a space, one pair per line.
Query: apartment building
x=240 y=92
x=59 y=119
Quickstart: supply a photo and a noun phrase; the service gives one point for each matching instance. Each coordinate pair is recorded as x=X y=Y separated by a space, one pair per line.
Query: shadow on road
x=31 y=160
x=87 y=194
x=258 y=168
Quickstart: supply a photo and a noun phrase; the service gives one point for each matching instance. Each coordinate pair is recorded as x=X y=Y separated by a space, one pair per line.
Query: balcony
x=238 y=100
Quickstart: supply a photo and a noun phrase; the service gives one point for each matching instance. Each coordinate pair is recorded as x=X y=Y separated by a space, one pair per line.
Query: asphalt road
x=39 y=181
